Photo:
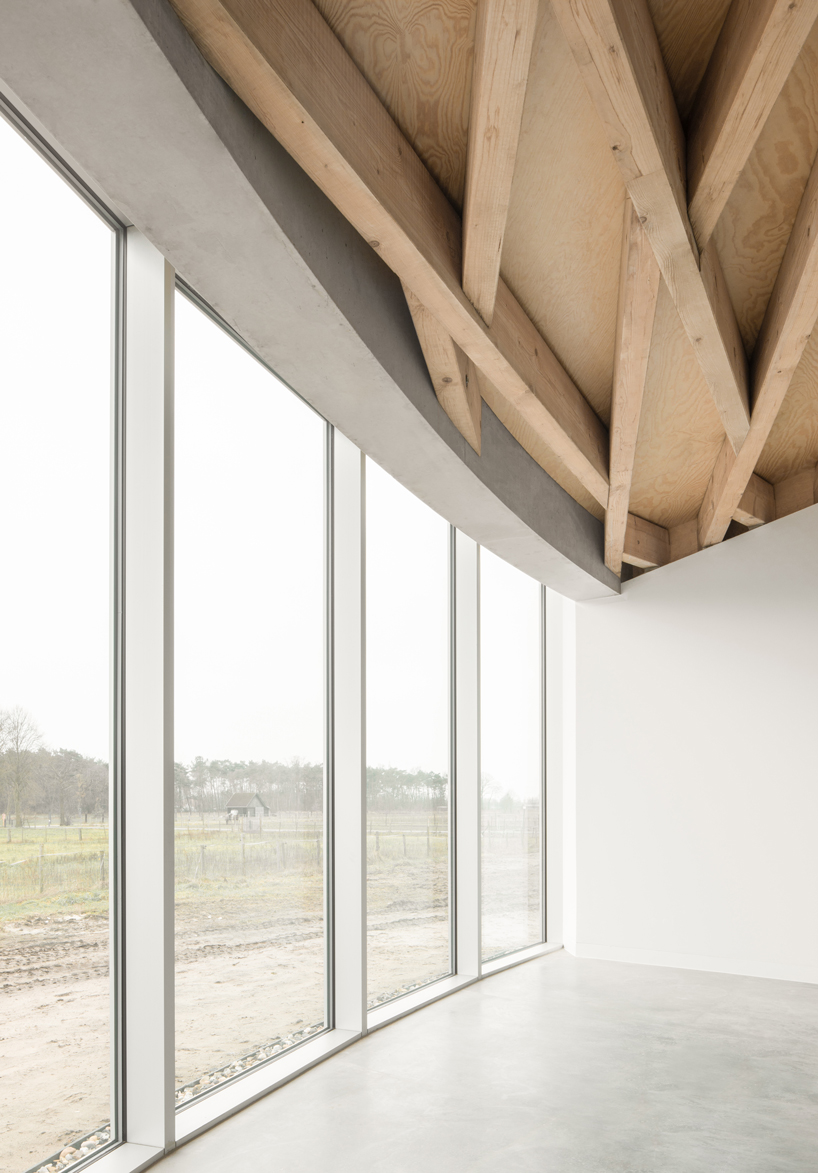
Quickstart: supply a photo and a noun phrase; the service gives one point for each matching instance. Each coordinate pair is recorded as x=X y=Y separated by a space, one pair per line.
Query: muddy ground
x=250 y=970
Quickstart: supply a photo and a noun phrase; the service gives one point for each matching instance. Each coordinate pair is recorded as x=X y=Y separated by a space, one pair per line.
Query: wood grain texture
x=505 y=32
x=783 y=338
x=563 y=237
x=795 y=493
x=757 y=48
x=757 y=504
x=782 y=341
x=618 y=54
x=646 y=545
x=417 y=56
x=286 y=63
x=638 y=293
x=684 y=540
x=793 y=440
x=754 y=228
x=687 y=31
x=680 y=433
x=453 y=374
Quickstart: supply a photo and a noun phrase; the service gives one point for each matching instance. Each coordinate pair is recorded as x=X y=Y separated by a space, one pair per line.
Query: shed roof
x=246 y=798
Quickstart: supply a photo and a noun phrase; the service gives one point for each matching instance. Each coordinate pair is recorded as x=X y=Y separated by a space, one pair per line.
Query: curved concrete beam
x=134 y=107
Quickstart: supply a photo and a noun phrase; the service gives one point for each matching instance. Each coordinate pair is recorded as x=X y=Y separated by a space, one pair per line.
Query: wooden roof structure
x=603 y=214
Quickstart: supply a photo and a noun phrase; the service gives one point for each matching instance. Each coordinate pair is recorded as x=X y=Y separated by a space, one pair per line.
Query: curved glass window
x=55 y=695
x=511 y=647
x=407 y=739
x=250 y=701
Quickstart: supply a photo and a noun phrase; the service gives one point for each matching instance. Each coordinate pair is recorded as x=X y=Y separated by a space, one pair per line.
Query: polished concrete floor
x=558 y=1066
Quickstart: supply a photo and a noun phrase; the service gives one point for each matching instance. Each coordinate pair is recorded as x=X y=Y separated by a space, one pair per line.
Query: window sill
x=124 y=1158
x=507 y=960
x=382 y=1015
x=223 y=1102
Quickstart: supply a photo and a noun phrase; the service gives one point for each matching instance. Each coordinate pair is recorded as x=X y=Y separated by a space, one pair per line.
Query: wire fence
x=41 y=861
x=38 y=861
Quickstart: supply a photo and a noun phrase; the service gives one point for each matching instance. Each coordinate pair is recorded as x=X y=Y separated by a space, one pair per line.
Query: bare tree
x=4 y=721
x=58 y=773
x=22 y=739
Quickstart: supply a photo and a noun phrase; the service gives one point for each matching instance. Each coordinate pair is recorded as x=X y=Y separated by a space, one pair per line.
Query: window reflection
x=249 y=621
x=511 y=756
x=407 y=776
x=55 y=707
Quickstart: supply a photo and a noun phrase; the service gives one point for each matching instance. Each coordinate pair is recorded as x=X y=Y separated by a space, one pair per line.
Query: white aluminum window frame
x=145 y=1121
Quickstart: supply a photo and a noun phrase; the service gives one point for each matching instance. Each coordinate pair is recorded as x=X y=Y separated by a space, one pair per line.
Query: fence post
x=243 y=857
x=40 y=867
x=201 y=861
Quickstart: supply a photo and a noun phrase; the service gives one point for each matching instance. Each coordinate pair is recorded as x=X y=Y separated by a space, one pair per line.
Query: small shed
x=247 y=806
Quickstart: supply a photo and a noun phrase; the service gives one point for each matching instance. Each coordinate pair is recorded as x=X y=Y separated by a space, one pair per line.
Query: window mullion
x=349 y=736
x=148 y=1029
x=467 y=755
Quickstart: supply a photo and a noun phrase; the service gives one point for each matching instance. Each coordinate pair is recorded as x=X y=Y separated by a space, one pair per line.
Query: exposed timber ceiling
x=603 y=214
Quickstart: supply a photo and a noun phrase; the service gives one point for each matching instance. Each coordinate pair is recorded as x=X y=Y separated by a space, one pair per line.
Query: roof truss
x=479 y=342
x=285 y=62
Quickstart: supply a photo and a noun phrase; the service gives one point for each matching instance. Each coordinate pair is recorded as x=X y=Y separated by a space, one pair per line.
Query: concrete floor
x=558 y=1066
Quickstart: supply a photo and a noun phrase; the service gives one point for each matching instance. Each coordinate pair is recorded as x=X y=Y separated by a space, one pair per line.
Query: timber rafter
x=333 y=81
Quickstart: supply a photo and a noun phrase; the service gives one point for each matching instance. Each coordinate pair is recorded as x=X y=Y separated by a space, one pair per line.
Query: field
x=250 y=951
x=54 y=994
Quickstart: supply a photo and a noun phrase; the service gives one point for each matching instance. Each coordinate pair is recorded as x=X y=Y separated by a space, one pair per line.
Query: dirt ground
x=54 y=1012
x=249 y=975
x=250 y=970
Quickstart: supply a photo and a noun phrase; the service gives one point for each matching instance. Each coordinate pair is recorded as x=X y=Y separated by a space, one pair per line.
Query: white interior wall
x=696 y=780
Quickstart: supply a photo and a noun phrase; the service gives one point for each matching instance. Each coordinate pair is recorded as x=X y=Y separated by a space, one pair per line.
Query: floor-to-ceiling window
x=55 y=664
x=256 y=623
x=250 y=708
x=511 y=701
x=407 y=739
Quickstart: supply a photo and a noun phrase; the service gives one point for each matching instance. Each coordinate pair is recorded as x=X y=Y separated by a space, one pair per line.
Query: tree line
x=65 y=785
x=208 y=784
x=61 y=783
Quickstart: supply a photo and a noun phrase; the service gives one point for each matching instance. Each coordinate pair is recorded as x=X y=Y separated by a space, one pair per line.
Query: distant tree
x=58 y=774
x=92 y=787
x=181 y=782
x=22 y=739
x=489 y=791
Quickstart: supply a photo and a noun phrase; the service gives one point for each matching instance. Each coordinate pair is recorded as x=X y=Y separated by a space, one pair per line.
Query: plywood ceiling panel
x=793 y=440
x=680 y=433
x=417 y=56
x=687 y=31
x=564 y=230
x=754 y=228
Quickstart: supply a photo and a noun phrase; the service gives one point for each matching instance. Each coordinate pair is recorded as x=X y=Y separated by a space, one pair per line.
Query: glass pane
x=249 y=710
x=55 y=408
x=511 y=755
x=407 y=736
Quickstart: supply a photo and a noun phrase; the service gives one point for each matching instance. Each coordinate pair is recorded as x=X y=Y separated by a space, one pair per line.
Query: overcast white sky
x=249 y=535
x=407 y=576
x=249 y=555
x=510 y=686
x=55 y=385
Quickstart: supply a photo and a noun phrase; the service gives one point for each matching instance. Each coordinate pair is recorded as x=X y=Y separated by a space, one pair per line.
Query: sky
x=249 y=532
x=55 y=394
x=249 y=572
x=510 y=684
x=407 y=576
